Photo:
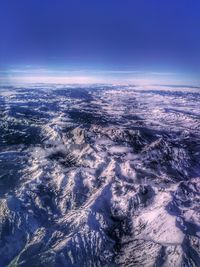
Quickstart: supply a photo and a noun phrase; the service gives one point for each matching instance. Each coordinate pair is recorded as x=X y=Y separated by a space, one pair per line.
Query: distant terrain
x=99 y=175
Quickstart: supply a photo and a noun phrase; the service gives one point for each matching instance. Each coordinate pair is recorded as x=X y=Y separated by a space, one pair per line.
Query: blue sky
x=105 y=38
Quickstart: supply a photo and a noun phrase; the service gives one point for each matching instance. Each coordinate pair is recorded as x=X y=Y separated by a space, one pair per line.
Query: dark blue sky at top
x=105 y=34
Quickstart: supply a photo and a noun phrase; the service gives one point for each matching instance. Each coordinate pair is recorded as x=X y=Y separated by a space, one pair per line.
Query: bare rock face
x=99 y=176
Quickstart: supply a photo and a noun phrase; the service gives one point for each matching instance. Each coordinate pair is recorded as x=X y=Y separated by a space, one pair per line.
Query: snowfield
x=99 y=176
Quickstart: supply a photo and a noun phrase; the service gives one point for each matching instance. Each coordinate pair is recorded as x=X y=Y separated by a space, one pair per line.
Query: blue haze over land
x=146 y=36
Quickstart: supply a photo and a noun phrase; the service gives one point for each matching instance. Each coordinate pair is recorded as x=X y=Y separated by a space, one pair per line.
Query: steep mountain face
x=99 y=176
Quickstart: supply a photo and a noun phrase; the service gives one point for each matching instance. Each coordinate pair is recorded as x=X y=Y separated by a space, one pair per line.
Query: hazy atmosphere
x=101 y=40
